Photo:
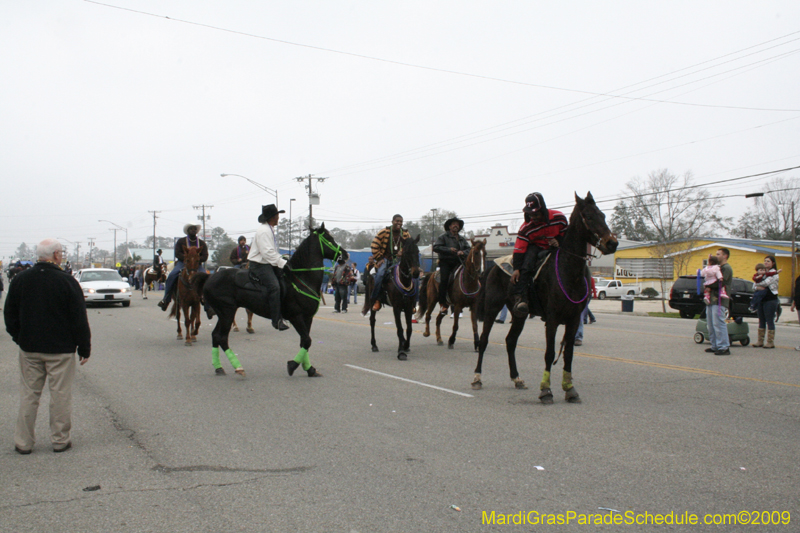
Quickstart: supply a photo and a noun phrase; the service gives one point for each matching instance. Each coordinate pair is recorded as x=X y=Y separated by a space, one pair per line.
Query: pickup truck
x=613 y=288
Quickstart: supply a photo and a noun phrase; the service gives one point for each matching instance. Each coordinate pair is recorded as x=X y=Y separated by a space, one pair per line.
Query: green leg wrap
x=232 y=358
x=302 y=359
x=545 y=384
x=566 y=381
x=215 y=358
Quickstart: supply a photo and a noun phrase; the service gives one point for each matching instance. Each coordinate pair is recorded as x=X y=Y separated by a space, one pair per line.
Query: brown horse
x=188 y=297
x=462 y=294
x=401 y=292
x=156 y=274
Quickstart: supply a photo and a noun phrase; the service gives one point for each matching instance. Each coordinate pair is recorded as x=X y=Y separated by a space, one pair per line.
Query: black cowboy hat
x=158 y=251
x=451 y=220
x=267 y=212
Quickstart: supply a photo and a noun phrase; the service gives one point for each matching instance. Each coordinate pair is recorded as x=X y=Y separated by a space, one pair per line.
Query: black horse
x=401 y=282
x=562 y=288
x=225 y=293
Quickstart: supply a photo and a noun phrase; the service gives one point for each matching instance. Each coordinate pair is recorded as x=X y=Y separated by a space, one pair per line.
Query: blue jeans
x=584 y=314
x=378 y=277
x=171 y=279
x=354 y=291
x=503 y=314
x=717 y=328
x=766 y=314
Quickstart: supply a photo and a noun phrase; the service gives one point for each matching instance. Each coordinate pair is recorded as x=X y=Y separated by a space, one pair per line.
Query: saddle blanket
x=505 y=263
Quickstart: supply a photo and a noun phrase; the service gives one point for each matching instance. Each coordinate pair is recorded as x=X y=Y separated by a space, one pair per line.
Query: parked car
x=683 y=297
x=104 y=285
x=614 y=288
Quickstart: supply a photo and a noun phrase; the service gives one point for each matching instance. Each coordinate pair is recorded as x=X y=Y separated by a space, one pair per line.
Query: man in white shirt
x=266 y=263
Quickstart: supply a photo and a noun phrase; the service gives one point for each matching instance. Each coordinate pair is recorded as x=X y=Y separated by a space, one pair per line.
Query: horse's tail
x=480 y=307
x=422 y=307
x=173 y=312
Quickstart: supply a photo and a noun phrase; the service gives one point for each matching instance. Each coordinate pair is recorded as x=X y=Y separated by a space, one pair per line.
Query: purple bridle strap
x=561 y=285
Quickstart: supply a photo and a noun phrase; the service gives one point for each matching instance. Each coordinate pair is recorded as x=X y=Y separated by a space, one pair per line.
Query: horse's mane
x=302 y=254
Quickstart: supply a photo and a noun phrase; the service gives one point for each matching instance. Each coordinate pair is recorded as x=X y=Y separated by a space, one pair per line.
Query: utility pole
x=115 y=245
x=312 y=197
x=203 y=217
x=154 y=230
x=91 y=245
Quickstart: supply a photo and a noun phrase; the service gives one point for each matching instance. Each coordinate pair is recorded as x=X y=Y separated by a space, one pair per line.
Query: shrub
x=650 y=292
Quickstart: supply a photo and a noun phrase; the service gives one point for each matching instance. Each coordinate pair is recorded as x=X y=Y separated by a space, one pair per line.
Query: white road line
x=411 y=381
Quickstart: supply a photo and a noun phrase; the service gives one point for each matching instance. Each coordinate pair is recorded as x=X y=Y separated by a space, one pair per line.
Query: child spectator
x=761 y=274
x=712 y=276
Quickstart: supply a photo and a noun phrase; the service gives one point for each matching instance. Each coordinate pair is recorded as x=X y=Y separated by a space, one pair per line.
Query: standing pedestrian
x=45 y=315
x=717 y=327
x=766 y=308
x=341 y=286
x=354 y=284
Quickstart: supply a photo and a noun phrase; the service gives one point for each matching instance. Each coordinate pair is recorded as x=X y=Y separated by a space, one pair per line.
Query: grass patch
x=665 y=315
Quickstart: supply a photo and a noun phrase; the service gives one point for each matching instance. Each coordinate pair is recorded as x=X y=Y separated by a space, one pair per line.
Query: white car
x=103 y=285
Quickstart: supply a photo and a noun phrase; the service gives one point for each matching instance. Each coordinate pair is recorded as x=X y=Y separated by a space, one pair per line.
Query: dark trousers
x=267 y=275
x=340 y=297
x=526 y=272
x=445 y=273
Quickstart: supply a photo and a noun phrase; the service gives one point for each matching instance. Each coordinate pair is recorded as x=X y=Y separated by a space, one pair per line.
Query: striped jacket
x=539 y=234
x=382 y=244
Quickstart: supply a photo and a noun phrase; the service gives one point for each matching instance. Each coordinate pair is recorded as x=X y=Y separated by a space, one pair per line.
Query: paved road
x=663 y=427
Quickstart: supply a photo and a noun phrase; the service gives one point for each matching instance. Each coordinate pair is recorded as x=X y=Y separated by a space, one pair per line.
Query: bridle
x=312 y=293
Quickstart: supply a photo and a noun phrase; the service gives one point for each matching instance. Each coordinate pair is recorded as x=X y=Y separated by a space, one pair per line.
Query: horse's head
x=330 y=249
x=594 y=230
x=409 y=257
x=476 y=260
x=191 y=258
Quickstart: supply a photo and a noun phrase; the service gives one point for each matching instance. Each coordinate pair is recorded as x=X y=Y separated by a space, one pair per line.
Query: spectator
x=715 y=314
x=768 y=305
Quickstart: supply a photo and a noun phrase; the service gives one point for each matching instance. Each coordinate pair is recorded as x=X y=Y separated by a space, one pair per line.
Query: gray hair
x=46 y=250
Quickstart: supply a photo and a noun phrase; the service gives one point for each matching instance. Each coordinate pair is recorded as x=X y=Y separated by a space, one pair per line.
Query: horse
x=463 y=293
x=187 y=297
x=562 y=288
x=224 y=293
x=157 y=274
x=401 y=294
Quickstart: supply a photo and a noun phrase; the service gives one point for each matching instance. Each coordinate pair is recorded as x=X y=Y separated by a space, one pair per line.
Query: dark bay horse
x=562 y=289
x=153 y=274
x=225 y=294
x=187 y=297
x=401 y=283
x=463 y=293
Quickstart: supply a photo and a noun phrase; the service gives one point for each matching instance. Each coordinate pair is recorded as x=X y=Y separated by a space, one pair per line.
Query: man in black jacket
x=45 y=315
x=451 y=248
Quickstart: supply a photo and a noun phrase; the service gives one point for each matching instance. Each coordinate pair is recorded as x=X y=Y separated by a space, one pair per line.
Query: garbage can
x=627 y=304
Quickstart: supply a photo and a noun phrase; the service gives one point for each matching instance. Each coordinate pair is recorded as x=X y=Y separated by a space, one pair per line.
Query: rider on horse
x=191 y=240
x=158 y=261
x=266 y=263
x=239 y=254
x=385 y=247
x=543 y=229
x=451 y=248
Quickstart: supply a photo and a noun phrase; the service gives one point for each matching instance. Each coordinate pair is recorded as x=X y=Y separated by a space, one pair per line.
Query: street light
x=273 y=192
x=291 y=234
x=115 y=238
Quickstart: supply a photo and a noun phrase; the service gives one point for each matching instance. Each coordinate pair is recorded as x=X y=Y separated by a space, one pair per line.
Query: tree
x=771 y=216
x=219 y=238
x=23 y=252
x=632 y=227
x=431 y=225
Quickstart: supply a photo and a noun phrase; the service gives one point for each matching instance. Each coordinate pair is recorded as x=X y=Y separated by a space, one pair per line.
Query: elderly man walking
x=45 y=315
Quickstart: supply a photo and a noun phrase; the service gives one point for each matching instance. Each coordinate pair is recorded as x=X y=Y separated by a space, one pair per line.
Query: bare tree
x=771 y=216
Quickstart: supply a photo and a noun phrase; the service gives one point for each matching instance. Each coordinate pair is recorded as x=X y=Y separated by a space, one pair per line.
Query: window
x=656 y=268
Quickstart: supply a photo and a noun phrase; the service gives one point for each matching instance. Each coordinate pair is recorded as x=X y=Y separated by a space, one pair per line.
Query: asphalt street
x=377 y=444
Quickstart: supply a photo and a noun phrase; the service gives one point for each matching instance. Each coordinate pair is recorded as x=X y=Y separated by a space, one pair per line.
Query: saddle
x=245 y=279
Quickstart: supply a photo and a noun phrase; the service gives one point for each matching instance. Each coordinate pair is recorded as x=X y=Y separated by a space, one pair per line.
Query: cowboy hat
x=187 y=226
x=450 y=221
x=267 y=212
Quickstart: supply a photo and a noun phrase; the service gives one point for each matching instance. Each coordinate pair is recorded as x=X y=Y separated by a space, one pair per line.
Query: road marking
x=411 y=381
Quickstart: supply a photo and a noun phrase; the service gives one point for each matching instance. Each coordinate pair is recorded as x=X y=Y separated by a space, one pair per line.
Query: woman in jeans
x=767 y=307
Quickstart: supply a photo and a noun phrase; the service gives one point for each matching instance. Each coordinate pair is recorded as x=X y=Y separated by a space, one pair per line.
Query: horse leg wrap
x=232 y=358
x=566 y=381
x=545 y=384
x=302 y=359
x=215 y=358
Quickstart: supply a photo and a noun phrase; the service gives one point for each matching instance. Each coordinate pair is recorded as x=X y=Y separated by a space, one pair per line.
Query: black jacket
x=45 y=312
x=185 y=241
x=445 y=242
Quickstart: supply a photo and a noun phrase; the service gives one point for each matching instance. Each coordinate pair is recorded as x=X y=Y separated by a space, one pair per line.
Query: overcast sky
x=109 y=113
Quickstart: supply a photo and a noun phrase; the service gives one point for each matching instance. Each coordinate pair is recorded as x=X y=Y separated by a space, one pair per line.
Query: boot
x=520 y=306
x=770 y=339
x=760 y=341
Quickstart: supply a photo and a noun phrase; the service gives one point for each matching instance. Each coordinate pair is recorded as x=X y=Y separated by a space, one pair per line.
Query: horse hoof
x=450 y=346
x=520 y=384
x=187 y=343
x=477 y=384
x=179 y=338
x=236 y=329
x=546 y=396
x=240 y=371
x=426 y=334
x=250 y=330
x=219 y=371
x=440 y=343
x=314 y=373
x=291 y=366
x=144 y=297
x=375 y=349
x=572 y=396
x=402 y=356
